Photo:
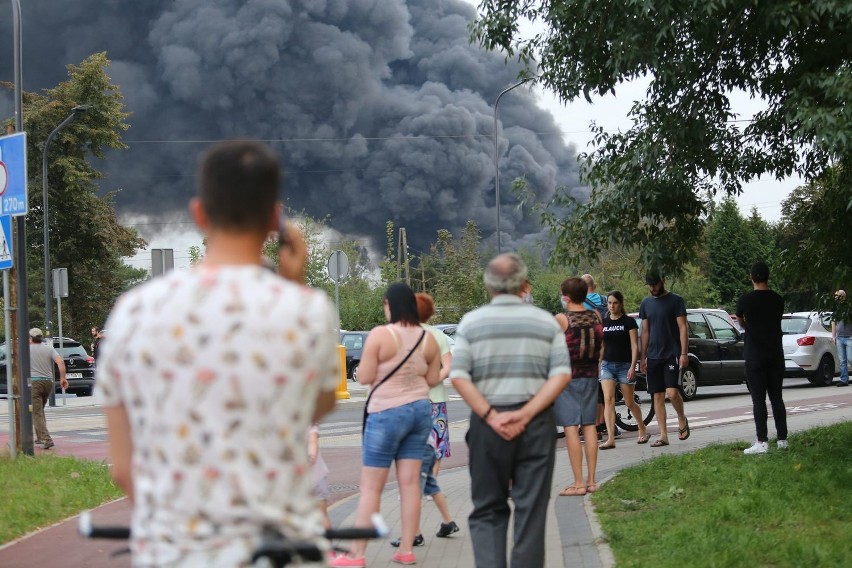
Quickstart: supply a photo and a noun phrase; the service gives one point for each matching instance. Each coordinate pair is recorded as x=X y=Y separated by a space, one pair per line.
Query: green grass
x=38 y=491
x=718 y=507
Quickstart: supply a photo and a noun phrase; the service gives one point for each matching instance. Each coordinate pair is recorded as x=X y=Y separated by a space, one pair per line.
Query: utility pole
x=402 y=257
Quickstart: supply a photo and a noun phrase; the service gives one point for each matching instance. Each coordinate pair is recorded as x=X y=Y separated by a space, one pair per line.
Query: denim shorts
x=616 y=371
x=398 y=433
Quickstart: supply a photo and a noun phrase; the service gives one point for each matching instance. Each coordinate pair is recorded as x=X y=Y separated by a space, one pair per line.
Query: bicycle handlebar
x=378 y=530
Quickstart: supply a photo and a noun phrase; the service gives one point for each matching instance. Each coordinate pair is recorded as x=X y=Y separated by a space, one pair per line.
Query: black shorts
x=663 y=374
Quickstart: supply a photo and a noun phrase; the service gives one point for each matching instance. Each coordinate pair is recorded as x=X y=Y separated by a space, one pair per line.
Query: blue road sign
x=6 y=242
x=13 y=174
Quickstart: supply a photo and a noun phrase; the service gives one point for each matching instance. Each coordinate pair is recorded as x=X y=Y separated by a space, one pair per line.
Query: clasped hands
x=508 y=425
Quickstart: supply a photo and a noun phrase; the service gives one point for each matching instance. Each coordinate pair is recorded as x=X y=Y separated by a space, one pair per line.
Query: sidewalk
x=573 y=537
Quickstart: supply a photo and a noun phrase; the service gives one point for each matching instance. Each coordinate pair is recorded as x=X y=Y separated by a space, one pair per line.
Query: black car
x=716 y=354
x=79 y=367
x=353 y=341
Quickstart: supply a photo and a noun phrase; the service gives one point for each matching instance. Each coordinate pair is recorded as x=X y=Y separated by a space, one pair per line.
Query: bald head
x=505 y=274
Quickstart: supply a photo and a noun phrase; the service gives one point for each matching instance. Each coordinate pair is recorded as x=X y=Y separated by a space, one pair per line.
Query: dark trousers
x=525 y=465
x=765 y=377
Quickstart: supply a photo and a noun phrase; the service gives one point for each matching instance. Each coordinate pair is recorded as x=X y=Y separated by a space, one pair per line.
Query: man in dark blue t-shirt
x=759 y=312
x=665 y=346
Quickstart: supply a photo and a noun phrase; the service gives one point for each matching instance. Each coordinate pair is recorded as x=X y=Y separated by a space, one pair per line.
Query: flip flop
x=644 y=439
x=683 y=433
x=573 y=491
x=606 y=447
x=660 y=443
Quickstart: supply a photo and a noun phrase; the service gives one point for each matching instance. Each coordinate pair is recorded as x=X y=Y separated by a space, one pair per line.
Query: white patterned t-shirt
x=219 y=370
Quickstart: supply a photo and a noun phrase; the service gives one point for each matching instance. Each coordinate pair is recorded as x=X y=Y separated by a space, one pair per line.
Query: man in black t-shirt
x=665 y=344
x=759 y=312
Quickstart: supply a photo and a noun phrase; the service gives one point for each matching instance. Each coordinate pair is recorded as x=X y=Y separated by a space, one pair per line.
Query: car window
x=721 y=329
x=825 y=320
x=698 y=328
x=77 y=350
x=795 y=325
x=353 y=341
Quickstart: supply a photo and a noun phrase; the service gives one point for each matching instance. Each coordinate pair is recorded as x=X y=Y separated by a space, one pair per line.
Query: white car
x=808 y=348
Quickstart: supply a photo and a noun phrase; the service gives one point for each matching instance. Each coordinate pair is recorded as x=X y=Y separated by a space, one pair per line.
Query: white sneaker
x=757 y=448
x=783 y=445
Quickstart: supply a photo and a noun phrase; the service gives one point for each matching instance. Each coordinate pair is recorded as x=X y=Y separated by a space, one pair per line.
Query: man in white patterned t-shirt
x=211 y=379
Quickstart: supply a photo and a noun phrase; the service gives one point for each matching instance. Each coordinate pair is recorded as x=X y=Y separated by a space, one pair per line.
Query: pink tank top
x=408 y=384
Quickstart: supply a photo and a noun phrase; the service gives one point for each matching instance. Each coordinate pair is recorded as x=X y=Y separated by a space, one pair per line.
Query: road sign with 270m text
x=13 y=174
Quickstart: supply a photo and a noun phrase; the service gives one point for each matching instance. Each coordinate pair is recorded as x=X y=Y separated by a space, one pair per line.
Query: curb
x=601 y=542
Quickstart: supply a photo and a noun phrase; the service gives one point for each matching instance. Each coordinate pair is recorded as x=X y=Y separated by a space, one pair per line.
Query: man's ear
x=199 y=215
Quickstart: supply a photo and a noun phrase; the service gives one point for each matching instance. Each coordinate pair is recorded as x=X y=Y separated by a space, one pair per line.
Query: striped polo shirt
x=509 y=349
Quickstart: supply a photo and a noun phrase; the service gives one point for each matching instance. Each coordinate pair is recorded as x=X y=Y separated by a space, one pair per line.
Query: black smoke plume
x=380 y=109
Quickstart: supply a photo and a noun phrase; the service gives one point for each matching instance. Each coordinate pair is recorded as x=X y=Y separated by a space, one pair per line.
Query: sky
x=379 y=109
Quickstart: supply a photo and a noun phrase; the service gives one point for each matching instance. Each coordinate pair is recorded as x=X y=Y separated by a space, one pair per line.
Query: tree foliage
x=816 y=257
x=85 y=236
x=649 y=182
x=458 y=267
x=733 y=249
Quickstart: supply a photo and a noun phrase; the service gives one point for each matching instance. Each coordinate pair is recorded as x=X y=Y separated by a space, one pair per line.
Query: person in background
x=618 y=368
x=209 y=438
x=97 y=335
x=509 y=364
x=665 y=352
x=400 y=362
x=577 y=404
x=319 y=474
x=841 y=334
x=42 y=358
x=759 y=312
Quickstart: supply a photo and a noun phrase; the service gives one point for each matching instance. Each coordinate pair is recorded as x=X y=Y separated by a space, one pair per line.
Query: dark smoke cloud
x=380 y=109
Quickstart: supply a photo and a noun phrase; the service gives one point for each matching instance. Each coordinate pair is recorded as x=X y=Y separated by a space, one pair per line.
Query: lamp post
x=48 y=304
x=497 y=157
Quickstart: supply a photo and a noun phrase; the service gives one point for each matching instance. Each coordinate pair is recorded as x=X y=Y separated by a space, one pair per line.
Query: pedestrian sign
x=6 y=242
x=13 y=174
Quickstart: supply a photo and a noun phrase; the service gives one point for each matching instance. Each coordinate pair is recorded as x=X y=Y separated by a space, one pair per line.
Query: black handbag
x=389 y=375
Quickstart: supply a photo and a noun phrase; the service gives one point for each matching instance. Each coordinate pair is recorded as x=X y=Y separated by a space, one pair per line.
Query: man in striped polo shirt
x=510 y=362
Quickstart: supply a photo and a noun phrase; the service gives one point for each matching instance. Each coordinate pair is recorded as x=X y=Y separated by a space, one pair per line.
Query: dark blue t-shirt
x=663 y=334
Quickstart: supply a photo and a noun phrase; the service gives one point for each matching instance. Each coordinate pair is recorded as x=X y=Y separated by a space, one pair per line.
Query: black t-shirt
x=664 y=335
x=762 y=310
x=617 y=339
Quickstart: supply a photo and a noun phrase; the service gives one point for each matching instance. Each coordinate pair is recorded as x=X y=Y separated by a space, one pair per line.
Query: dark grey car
x=79 y=367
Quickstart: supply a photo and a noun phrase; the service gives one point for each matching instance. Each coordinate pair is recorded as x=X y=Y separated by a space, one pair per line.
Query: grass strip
x=718 y=507
x=39 y=491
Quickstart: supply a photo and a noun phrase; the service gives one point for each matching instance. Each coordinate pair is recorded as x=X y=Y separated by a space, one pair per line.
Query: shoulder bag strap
x=389 y=375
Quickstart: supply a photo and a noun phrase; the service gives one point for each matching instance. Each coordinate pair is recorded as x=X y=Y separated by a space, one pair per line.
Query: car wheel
x=824 y=374
x=355 y=372
x=689 y=383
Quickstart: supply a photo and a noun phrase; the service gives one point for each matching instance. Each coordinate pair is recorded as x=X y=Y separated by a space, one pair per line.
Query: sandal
x=683 y=433
x=660 y=443
x=593 y=487
x=607 y=447
x=573 y=491
x=644 y=439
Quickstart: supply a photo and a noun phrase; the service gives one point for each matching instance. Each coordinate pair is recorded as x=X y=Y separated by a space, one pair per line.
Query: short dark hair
x=576 y=289
x=238 y=184
x=402 y=304
x=760 y=272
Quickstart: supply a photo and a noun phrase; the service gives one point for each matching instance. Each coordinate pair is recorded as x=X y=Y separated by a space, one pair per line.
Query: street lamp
x=497 y=157
x=48 y=304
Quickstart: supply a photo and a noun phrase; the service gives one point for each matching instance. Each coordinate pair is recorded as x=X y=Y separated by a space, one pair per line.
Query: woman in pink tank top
x=400 y=362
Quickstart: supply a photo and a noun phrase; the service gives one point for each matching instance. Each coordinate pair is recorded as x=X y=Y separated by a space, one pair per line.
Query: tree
x=85 y=236
x=815 y=257
x=649 y=183
x=733 y=249
x=458 y=286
